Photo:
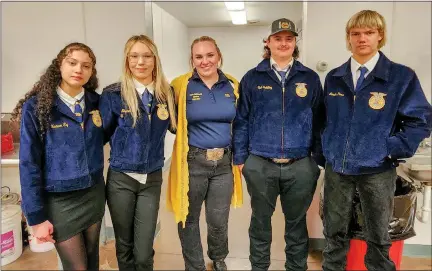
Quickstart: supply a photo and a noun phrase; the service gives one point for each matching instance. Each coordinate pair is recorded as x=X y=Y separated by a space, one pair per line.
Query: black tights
x=81 y=252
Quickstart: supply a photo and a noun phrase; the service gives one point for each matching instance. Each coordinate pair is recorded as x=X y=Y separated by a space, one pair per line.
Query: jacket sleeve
x=30 y=167
x=241 y=125
x=319 y=118
x=413 y=122
x=109 y=120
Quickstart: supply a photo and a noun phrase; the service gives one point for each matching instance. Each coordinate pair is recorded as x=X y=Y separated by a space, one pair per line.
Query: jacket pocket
x=191 y=155
x=119 y=142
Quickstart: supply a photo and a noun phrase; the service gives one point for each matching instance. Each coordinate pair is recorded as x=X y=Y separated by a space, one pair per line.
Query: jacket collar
x=116 y=87
x=264 y=66
x=381 y=70
x=91 y=104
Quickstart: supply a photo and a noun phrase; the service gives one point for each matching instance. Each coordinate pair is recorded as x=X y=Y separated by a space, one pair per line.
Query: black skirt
x=74 y=211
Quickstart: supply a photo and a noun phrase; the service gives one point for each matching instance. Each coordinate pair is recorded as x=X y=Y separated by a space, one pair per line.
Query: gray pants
x=376 y=193
x=296 y=184
x=212 y=182
x=134 y=210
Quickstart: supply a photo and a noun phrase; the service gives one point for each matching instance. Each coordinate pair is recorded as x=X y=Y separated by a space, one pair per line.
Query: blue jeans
x=210 y=182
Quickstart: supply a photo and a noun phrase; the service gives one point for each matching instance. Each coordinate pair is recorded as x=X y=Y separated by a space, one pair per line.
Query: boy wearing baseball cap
x=276 y=129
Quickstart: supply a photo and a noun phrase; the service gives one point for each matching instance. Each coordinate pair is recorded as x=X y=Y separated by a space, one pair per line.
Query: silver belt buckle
x=281 y=160
x=214 y=154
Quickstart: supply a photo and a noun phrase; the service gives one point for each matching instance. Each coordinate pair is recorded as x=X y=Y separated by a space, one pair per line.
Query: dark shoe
x=219 y=266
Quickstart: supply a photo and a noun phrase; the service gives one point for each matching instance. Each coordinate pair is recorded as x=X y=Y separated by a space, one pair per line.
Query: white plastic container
x=11 y=234
x=38 y=247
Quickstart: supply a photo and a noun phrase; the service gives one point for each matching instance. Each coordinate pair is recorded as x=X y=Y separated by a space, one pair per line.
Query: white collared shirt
x=140 y=88
x=70 y=101
x=370 y=65
x=276 y=67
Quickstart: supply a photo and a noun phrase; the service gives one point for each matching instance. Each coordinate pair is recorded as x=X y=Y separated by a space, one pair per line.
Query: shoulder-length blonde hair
x=162 y=88
x=367 y=18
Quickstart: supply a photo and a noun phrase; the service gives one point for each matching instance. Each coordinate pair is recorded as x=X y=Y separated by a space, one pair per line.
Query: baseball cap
x=280 y=25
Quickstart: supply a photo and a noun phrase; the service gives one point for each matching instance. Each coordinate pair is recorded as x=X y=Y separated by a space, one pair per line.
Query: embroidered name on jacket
x=336 y=94
x=265 y=87
x=61 y=125
x=123 y=112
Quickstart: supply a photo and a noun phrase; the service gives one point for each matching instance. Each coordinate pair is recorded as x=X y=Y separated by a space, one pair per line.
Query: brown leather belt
x=281 y=160
x=214 y=154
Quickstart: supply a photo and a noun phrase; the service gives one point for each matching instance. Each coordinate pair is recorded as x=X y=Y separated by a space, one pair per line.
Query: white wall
x=30 y=42
x=409 y=43
x=33 y=34
x=241 y=46
x=108 y=26
x=171 y=38
x=411 y=40
x=325 y=30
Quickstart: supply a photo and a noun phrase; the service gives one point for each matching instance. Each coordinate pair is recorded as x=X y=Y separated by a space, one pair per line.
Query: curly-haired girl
x=61 y=157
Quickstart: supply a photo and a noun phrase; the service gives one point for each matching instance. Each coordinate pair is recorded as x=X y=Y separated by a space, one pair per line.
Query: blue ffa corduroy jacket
x=388 y=116
x=66 y=158
x=138 y=149
x=276 y=123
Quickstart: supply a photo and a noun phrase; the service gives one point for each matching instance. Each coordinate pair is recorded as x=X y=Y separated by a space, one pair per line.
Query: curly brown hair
x=45 y=89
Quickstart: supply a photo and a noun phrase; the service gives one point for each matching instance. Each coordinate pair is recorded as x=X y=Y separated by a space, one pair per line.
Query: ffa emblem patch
x=162 y=111
x=377 y=100
x=284 y=25
x=301 y=90
x=96 y=117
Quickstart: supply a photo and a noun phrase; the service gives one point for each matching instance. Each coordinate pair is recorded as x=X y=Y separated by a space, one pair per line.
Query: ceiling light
x=238 y=17
x=234 y=5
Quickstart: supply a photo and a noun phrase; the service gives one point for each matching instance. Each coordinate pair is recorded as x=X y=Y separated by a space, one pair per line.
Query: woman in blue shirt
x=61 y=158
x=136 y=114
x=201 y=167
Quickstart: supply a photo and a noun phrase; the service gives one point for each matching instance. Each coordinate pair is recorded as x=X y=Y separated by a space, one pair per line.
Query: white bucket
x=11 y=235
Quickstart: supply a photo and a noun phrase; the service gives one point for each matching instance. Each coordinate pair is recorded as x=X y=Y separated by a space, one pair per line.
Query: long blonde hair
x=367 y=18
x=162 y=88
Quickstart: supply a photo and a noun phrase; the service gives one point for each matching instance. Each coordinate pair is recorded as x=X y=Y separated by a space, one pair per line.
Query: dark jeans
x=134 y=210
x=295 y=183
x=376 y=193
x=212 y=182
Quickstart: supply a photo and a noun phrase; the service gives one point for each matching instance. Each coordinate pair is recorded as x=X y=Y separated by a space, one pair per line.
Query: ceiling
x=215 y=14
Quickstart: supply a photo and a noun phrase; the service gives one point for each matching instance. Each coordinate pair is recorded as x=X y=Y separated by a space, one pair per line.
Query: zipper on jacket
x=283 y=116
x=347 y=139
x=85 y=149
